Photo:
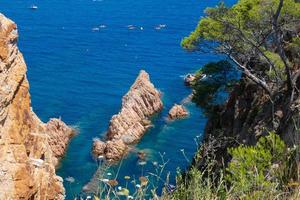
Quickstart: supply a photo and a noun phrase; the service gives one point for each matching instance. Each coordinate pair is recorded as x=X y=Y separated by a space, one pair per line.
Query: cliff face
x=29 y=149
x=247 y=115
x=130 y=124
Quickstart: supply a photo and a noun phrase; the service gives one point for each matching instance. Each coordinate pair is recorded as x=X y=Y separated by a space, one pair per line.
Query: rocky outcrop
x=189 y=79
x=29 y=149
x=245 y=117
x=130 y=124
x=177 y=112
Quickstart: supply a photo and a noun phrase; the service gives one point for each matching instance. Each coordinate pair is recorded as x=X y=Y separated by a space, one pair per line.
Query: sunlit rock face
x=29 y=149
x=177 y=112
x=129 y=125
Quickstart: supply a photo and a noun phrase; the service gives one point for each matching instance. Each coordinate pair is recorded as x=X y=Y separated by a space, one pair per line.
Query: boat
x=33 y=7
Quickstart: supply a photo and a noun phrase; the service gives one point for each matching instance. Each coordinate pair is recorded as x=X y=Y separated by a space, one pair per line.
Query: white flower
x=138 y=185
x=142 y=163
x=104 y=180
x=155 y=163
x=130 y=197
x=108 y=174
x=119 y=188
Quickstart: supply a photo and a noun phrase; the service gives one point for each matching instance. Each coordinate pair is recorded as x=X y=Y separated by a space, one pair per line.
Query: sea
x=82 y=57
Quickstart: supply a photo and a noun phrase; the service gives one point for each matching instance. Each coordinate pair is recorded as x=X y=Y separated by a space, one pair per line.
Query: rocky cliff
x=247 y=115
x=129 y=125
x=29 y=149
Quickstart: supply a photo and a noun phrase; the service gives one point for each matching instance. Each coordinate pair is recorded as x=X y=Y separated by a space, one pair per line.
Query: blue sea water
x=82 y=59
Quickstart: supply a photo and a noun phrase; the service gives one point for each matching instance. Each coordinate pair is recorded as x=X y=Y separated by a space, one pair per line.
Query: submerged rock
x=29 y=149
x=177 y=112
x=129 y=125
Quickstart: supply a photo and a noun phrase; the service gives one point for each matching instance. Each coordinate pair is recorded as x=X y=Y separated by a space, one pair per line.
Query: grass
x=267 y=171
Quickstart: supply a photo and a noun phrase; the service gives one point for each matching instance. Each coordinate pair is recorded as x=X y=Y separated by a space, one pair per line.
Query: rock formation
x=29 y=149
x=189 y=79
x=177 y=112
x=130 y=124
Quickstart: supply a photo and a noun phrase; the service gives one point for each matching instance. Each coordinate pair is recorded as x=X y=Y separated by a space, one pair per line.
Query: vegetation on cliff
x=254 y=172
x=251 y=146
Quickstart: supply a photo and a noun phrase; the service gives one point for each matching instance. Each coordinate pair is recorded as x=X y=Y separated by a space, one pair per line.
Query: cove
x=81 y=73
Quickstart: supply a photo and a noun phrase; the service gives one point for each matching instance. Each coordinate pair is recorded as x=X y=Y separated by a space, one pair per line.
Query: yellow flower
x=127 y=177
x=123 y=192
x=96 y=198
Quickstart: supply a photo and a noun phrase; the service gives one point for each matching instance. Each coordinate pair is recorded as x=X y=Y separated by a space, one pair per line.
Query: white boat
x=33 y=7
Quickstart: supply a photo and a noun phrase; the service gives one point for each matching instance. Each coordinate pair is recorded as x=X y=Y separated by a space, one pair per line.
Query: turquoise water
x=82 y=58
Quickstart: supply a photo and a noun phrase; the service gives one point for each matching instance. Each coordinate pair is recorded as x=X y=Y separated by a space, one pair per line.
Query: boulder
x=98 y=147
x=189 y=79
x=115 y=150
x=177 y=112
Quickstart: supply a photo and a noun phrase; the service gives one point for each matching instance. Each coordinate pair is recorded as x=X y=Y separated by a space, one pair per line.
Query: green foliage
x=197 y=187
x=294 y=49
x=278 y=63
x=211 y=79
x=250 y=16
x=245 y=32
x=256 y=172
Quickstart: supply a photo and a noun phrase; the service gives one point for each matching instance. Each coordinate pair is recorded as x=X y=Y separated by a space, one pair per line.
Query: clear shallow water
x=81 y=75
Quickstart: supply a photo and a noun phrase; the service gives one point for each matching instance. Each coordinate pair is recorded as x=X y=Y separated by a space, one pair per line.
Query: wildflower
x=123 y=192
x=127 y=177
x=88 y=197
x=182 y=150
x=155 y=163
x=96 y=198
x=142 y=163
x=138 y=185
x=170 y=188
x=130 y=197
x=104 y=180
x=143 y=180
x=119 y=188
x=113 y=182
x=109 y=174
x=70 y=179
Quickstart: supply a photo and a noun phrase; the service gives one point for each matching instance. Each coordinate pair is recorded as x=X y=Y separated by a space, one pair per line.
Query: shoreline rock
x=189 y=79
x=29 y=148
x=177 y=112
x=128 y=126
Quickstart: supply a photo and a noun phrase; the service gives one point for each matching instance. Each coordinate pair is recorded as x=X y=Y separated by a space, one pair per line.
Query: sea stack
x=129 y=125
x=29 y=149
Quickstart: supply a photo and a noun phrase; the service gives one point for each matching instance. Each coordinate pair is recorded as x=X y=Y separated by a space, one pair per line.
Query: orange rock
x=98 y=147
x=129 y=125
x=29 y=149
x=177 y=112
